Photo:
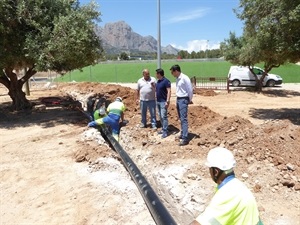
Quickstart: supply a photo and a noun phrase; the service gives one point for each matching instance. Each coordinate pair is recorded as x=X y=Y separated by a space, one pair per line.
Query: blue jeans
x=144 y=105
x=182 y=110
x=113 y=121
x=163 y=114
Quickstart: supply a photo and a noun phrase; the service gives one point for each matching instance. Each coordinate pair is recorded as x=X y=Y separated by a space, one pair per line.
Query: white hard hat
x=119 y=99
x=221 y=158
x=102 y=111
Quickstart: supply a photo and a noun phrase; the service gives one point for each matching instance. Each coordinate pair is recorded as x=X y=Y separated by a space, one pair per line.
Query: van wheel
x=271 y=83
x=236 y=83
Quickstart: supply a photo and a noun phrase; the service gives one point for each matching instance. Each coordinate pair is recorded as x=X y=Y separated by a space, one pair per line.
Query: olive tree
x=42 y=35
x=124 y=56
x=271 y=34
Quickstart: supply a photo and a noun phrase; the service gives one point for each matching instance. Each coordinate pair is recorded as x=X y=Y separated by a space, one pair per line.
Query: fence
x=218 y=83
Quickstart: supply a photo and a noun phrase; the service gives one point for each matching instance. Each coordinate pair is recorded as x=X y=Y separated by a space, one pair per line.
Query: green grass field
x=131 y=71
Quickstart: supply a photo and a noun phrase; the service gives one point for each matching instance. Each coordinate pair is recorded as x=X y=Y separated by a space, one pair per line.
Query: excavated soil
x=54 y=169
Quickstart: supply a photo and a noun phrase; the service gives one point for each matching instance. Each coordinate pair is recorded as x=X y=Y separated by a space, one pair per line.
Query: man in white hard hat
x=115 y=112
x=233 y=203
x=100 y=113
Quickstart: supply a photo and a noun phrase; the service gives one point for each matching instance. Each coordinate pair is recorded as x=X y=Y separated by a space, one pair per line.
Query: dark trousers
x=182 y=110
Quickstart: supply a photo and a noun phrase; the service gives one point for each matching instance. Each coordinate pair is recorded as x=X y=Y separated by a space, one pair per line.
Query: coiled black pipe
x=159 y=213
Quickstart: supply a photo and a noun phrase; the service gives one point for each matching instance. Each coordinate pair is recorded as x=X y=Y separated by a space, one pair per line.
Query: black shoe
x=179 y=138
x=183 y=142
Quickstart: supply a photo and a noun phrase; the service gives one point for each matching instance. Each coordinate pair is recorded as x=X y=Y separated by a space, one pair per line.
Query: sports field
x=131 y=71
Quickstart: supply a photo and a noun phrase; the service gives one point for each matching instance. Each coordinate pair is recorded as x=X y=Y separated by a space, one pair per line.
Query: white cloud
x=186 y=16
x=197 y=45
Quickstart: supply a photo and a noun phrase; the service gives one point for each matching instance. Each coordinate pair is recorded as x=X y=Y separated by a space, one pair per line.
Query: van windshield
x=258 y=71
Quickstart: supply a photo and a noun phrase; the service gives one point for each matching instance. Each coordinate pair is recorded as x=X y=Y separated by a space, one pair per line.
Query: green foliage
x=271 y=34
x=45 y=34
x=42 y=35
x=124 y=56
x=232 y=49
x=183 y=54
x=208 y=53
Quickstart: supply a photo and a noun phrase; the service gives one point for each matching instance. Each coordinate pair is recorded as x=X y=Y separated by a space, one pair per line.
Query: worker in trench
x=111 y=116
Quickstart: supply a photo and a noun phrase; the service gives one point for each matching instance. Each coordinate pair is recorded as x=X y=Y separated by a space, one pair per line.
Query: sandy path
x=41 y=184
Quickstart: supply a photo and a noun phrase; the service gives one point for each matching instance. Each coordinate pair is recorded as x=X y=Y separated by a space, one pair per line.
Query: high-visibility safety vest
x=116 y=108
x=232 y=204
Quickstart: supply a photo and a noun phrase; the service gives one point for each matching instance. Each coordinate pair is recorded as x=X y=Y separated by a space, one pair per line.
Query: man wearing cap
x=184 y=94
x=233 y=203
x=115 y=112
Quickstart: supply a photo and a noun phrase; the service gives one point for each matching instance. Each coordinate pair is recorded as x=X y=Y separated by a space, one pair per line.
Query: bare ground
x=56 y=170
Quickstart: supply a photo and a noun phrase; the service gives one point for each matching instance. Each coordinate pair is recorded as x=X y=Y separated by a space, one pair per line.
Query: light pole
x=158 y=36
x=206 y=48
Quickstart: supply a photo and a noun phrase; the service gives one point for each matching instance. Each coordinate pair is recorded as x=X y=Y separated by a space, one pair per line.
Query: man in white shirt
x=145 y=95
x=184 y=94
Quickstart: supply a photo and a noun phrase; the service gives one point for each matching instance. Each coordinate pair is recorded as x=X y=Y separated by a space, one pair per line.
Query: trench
x=157 y=209
x=159 y=212
x=176 y=198
x=170 y=197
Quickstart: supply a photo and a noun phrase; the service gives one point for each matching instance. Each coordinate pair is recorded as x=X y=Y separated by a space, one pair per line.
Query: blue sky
x=191 y=25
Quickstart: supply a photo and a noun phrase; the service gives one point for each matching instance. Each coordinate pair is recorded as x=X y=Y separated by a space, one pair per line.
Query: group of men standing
x=233 y=203
x=155 y=93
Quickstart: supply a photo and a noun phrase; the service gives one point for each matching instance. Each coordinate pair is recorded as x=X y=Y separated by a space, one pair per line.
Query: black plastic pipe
x=159 y=213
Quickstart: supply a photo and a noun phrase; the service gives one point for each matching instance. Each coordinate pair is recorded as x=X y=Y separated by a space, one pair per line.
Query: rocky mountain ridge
x=119 y=37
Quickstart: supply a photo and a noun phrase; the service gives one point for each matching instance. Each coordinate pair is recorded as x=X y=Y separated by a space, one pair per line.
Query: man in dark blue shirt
x=163 y=95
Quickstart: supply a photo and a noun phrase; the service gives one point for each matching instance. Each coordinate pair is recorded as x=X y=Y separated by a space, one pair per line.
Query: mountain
x=119 y=37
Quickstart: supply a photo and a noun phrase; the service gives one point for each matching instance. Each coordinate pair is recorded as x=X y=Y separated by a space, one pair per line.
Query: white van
x=242 y=76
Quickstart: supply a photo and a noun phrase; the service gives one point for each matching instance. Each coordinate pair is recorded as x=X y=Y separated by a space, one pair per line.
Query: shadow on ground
x=50 y=116
x=270 y=92
x=292 y=115
x=280 y=93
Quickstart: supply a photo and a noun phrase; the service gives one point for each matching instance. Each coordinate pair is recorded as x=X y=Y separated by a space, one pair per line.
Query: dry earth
x=56 y=170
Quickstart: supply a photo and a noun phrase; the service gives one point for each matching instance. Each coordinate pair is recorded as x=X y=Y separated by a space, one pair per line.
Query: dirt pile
x=267 y=153
x=273 y=142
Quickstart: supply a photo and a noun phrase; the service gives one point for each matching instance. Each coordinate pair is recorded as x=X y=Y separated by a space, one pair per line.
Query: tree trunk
x=258 y=86
x=14 y=85
x=258 y=83
x=19 y=100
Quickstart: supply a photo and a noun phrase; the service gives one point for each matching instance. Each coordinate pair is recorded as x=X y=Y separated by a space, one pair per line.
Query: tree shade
x=42 y=35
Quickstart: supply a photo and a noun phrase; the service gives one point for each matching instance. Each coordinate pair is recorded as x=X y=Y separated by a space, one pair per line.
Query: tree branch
x=29 y=73
x=11 y=75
